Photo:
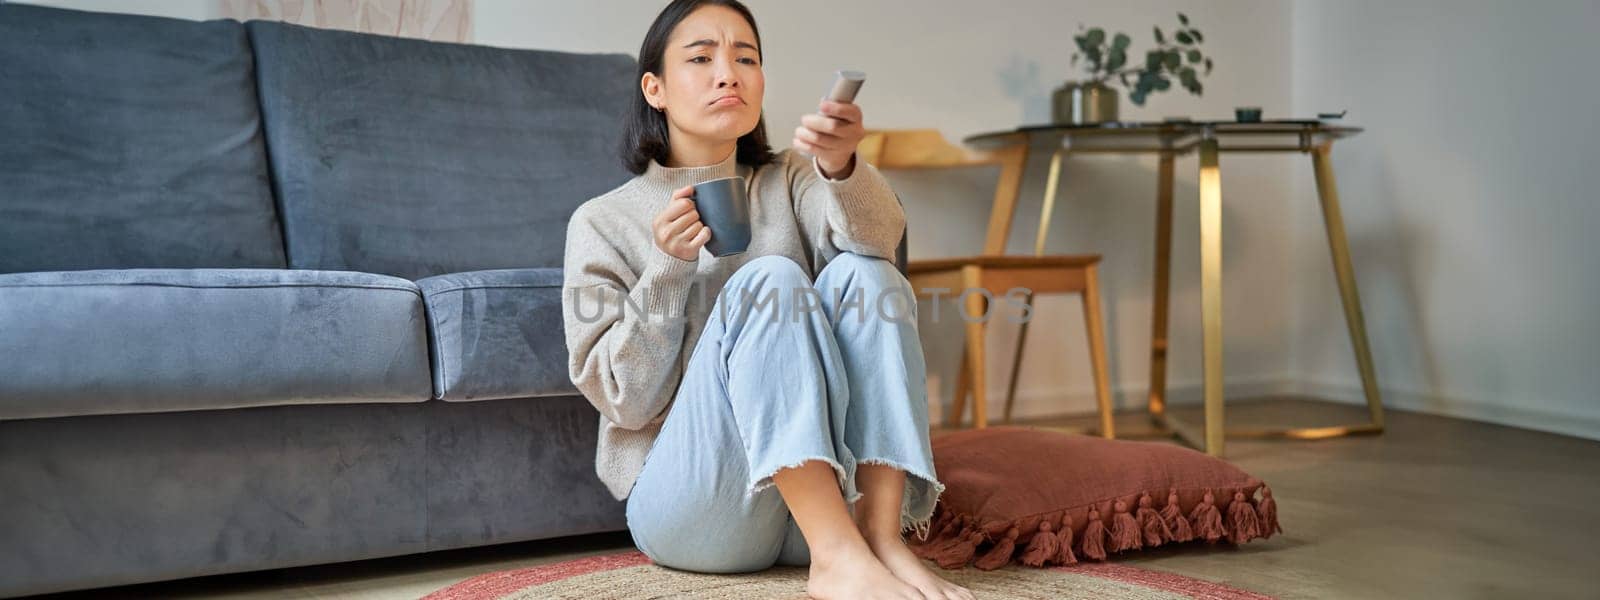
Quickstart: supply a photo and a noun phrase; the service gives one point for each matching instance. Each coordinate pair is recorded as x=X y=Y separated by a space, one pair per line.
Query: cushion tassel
x=1043 y=547
x=951 y=535
x=1000 y=554
x=958 y=554
x=1207 y=520
x=1125 y=534
x=1242 y=521
x=1268 y=510
x=1064 y=555
x=936 y=531
x=1093 y=544
x=1155 y=529
x=1173 y=515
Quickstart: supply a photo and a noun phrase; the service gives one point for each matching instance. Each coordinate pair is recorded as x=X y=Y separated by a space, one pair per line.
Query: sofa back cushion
x=412 y=158
x=130 y=142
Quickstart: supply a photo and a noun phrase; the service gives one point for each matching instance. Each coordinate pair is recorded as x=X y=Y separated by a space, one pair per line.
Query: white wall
x=1470 y=202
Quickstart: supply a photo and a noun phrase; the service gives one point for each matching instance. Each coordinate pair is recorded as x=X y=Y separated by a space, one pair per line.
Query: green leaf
x=1183 y=38
x=1137 y=98
x=1208 y=66
x=1083 y=42
x=1183 y=19
x=1194 y=56
x=1116 y=60
x=1173 y=60
x=1094 y=59
x=1189 y=80
x=1162 y=84
x=1121 y=41
x=1197 y=37
x=1096 y=36
x=1160 y=39
x=1153 y=58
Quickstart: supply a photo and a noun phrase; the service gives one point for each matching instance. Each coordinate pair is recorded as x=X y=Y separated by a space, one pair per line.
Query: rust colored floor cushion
x=1039 y=497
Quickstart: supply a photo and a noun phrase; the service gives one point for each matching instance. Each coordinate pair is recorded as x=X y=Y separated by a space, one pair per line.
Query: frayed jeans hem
x=766 y=481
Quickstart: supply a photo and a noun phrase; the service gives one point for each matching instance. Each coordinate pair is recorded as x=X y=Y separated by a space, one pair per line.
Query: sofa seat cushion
x=155 y=340
x=497 y=334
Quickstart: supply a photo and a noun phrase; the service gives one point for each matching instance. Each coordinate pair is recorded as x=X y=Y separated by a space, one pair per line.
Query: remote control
x=845 y=85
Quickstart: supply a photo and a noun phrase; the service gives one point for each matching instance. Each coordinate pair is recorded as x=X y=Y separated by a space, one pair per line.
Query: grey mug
x=725 y=208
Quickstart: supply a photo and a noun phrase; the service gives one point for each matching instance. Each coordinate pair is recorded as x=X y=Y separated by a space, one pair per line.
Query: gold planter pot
x=1076 y=103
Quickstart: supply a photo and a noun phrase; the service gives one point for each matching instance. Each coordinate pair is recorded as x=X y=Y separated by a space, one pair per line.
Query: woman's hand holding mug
x=677 y=228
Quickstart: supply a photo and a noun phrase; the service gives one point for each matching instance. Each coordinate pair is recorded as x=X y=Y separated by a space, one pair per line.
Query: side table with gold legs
x=1210 y=140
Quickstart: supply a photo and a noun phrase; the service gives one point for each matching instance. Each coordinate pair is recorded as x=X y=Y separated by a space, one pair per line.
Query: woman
x=707 y=406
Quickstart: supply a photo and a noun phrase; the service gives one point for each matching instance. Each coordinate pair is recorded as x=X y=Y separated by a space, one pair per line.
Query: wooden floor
x=1434 y=508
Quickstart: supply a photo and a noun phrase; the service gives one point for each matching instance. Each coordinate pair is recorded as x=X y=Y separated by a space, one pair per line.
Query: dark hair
x=644 y=134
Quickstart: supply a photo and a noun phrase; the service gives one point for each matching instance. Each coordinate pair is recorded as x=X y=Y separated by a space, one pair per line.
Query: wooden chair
x=993 y=270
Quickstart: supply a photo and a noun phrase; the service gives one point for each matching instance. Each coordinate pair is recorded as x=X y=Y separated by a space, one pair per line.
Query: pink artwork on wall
x=436 y=20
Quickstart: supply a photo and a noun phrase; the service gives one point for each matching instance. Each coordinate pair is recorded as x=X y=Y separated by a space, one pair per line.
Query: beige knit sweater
x=629 y=366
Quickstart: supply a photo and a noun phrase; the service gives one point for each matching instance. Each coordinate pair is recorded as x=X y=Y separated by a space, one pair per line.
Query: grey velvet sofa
x=274 y=296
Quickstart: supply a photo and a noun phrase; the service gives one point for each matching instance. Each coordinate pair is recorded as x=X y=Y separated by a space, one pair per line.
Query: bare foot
x=894 y=554
x=853 y=572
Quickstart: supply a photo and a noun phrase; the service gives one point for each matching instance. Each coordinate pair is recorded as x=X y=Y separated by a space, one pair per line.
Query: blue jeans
x=772 y=385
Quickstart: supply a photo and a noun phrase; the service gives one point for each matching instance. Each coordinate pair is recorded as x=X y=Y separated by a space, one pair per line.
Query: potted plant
x=1094 y=100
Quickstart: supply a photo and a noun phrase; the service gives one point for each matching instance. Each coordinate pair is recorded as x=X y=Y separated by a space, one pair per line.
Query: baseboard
x=1575 y=425
x=1044 y=403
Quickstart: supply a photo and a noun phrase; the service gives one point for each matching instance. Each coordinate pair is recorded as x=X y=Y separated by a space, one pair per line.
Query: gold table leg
x=1050 y=186
x=1210 y=241
x=1213 y=434
x=1333 y=220
x=1049 y=205
x=1211 y=291
x=1162 y=299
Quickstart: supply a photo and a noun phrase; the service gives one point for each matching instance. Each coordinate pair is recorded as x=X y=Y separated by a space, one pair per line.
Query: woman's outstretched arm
x=842 y=203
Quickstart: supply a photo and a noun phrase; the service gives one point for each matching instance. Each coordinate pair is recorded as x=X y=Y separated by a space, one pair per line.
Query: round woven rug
x=632 y=575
